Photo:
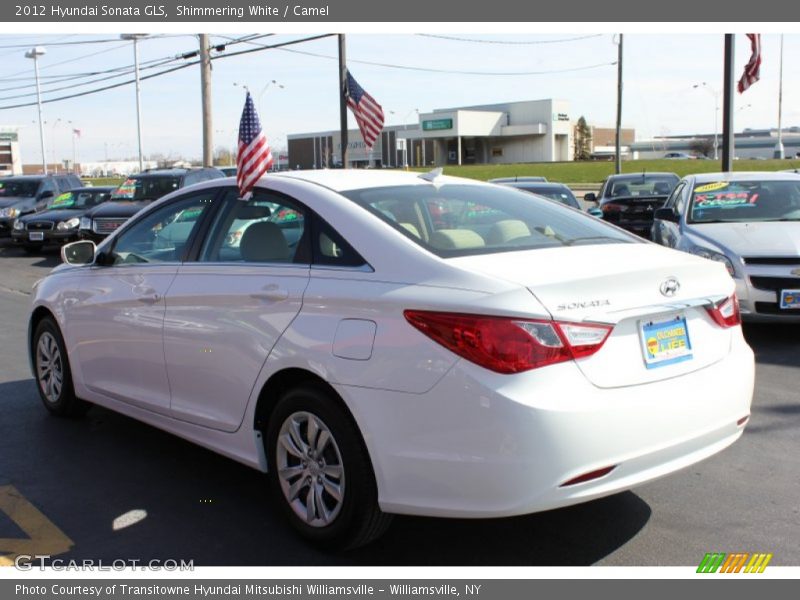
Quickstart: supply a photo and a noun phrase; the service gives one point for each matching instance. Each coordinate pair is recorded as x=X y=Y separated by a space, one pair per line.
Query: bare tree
x=583 y=140
x=702 y=146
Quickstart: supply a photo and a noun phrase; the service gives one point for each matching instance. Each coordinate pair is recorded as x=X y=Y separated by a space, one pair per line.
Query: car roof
x=632 y=176
x=341 y=180
x=521 y=179
x=744 y=176
x=543 y=185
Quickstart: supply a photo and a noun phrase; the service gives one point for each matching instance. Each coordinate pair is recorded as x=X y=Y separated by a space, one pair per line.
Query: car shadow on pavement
x=774 y=343
x=84 y=474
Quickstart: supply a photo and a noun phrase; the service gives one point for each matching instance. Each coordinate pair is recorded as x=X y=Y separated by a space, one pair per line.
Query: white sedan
x=385 y=343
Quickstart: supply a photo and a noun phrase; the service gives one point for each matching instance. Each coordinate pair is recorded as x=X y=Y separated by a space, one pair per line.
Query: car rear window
x=458 y=220
x=644 y=185
x=742 y=201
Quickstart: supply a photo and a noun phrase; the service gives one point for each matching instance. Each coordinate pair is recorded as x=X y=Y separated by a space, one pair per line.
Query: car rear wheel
x=53 y=376
x=320 y=473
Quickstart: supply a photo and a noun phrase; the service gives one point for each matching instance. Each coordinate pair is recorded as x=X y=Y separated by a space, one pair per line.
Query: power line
x=167 y=71
x=510 y=42
x=56 y=79
x=458 y=72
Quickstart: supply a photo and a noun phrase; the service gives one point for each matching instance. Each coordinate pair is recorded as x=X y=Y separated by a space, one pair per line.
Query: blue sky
x=659 y=98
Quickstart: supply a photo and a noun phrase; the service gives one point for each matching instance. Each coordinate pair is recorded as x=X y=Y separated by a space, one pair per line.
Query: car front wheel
x=53 y=376
x=320 y=472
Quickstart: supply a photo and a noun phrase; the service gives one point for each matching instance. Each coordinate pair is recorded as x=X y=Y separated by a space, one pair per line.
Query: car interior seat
x=264 y=242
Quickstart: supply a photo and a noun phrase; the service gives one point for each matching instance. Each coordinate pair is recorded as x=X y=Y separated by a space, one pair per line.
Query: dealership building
x=511 y=132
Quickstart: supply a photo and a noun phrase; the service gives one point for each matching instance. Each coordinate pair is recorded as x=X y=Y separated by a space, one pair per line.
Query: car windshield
x=741 y=201
x=22 y=189
x=149 y=187
x=642 y=185
x=460 y=220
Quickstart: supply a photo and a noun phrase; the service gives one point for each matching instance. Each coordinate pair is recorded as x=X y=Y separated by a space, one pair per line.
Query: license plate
x=790 y=299
x=36 y=236
x=665 y=342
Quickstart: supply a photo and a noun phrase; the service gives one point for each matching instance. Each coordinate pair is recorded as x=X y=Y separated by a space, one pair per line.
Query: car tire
x=320 y=472
x=52 y=372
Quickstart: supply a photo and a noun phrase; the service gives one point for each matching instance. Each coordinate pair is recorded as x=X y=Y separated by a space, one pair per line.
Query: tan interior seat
x=503 y=231
x=456 y=239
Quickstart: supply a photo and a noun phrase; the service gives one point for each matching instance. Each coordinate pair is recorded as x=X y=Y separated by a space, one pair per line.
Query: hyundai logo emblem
x=670 y=287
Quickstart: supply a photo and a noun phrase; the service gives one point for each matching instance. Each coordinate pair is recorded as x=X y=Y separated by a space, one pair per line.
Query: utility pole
x=618 y=146
x=727 y=106
x=135 y=37
x=343 y=98
x=779 y=151
x=205 y=90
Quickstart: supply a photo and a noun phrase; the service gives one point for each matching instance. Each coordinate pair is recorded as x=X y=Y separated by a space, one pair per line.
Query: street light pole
x=715 y=94
x=35 y=53
x=55 y=160
x=135 y=37
x=779 y=151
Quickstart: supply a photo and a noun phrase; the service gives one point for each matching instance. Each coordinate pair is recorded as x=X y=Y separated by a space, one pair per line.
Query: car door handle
x=149 y=299
x=272 y=295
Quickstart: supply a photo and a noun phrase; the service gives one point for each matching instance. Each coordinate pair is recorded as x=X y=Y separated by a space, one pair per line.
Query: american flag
x=368 y=113
x=254 y=157
x=752 y=70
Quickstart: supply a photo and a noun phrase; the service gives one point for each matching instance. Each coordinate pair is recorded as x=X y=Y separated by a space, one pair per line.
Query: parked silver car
x=750 y=222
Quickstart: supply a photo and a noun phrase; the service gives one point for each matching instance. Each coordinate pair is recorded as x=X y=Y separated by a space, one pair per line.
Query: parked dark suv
x=134 y=194
x=25 y=194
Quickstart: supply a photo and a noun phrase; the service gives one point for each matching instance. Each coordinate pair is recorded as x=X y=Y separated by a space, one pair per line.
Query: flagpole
x=618 y=140
x=727 y=106
x=779 y=151
x=342 y=98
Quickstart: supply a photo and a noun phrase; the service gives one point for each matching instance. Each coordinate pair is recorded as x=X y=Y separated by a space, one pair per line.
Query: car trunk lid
x=621 y=285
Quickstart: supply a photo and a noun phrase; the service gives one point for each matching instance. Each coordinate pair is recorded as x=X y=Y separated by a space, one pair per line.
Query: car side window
x=267 y=228
x=329 y=248
x=47 y=186
x=671 y=201
x=680 y=198
x=163 y=234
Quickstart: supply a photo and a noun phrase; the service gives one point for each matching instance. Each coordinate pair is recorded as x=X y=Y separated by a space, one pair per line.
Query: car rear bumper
x=480 y=444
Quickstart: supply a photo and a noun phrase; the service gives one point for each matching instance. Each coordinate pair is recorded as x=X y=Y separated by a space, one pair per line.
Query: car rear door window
x=267 y=228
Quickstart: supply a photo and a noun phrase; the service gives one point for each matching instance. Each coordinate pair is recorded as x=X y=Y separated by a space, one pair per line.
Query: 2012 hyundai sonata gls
x=397 y=343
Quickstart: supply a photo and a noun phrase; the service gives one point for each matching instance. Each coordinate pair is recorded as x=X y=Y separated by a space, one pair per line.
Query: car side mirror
x=79 y=253
x=666 y=214
x=595 y=212
x=590 y=197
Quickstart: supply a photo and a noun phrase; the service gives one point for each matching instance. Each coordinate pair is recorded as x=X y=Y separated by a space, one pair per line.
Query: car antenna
x=432 y=174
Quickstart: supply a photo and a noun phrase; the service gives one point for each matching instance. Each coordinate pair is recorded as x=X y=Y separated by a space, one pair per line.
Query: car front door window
x=162 y=235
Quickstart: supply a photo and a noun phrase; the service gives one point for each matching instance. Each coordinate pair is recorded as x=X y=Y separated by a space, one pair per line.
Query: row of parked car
x=55 y=209
x=749 y=222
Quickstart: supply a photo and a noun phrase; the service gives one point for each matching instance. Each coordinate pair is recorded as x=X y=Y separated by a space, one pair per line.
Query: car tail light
x=507 y=344
x=611 y=208
x=726 y=312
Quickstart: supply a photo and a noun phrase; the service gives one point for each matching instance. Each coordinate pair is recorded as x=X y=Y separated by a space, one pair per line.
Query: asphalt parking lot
x=63 y=483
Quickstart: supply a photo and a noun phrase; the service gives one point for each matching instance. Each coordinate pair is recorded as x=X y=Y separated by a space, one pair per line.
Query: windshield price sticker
x=790 y=299
x=63 y=200
x=712 y=187
x=725 y=199
x=665 y=342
